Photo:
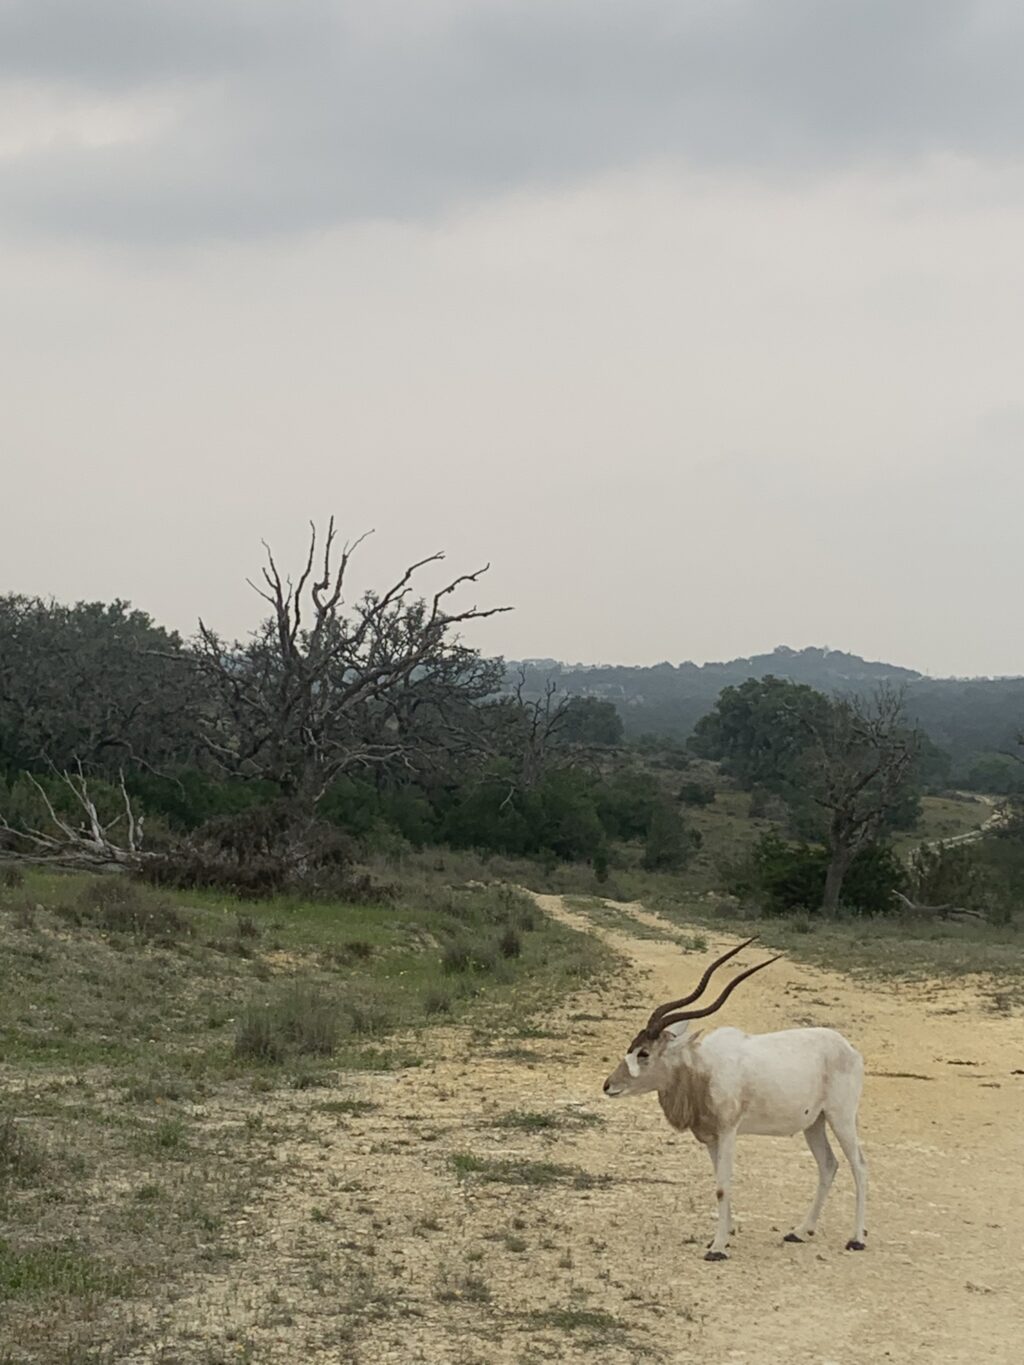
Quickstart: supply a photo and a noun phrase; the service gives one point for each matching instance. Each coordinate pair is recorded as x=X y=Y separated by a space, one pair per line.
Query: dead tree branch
x=324 y=686
x=89 y=846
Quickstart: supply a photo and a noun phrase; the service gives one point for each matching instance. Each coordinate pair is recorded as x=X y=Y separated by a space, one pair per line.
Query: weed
x=463 y=1288
x=246 y=927
x=347 y=954
x=23 y=913
x=463 y=956
x=510 y=944
x=535 y=1173
x=20 y=1159
x=368 y=1016
x=575 y=1320
x=303 y=1020
x=167 y=1136
x=44 y=1270
x=121 y=907
x=527 y=1121
x=307 y=1080
x=351 y=1108
x=519 y=1054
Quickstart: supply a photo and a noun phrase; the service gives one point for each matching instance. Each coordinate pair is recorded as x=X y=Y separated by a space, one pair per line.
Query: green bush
x=669 y=844
x=302 y=1021
x=119 y=906
x=782 y=877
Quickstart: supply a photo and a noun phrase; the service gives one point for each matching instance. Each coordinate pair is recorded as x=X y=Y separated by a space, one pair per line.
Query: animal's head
x=653 y=1052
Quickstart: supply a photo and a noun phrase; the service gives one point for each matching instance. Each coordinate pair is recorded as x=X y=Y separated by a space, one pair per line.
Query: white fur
x=768 y=1084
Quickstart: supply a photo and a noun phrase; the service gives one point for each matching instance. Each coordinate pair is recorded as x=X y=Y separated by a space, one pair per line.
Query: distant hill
x=971 y=718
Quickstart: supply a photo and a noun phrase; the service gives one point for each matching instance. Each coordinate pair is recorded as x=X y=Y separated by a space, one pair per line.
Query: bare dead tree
x=539 y=720
x=89 y=844
x=326 y=686
x=857 y=764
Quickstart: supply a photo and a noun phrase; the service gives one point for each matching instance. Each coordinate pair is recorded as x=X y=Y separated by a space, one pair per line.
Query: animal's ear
x=674 y=1032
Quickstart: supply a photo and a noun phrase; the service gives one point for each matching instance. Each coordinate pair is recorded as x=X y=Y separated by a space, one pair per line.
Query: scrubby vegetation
x=132 y=1016
x=301 y=854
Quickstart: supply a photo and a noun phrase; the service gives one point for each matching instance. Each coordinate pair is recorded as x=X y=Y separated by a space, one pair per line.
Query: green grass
x=527 y=1121
x=36 y=1271
x=532 y=1173
x=575 y=1320
x=884 y=947
x=943 y=817
x=349 y=1108
x=133 y=1020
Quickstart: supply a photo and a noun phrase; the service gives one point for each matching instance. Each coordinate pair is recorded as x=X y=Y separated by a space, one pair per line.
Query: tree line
x=335 y=720
x=972 y=721
x=340 y=725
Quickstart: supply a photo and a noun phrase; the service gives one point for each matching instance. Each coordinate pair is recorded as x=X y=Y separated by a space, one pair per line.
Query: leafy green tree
x=858 y=769
x=95 y=684
x=626 y=801
x=758 y=731
x=844 y=766
x=591 y=721
x=669 y=844
x=783 y=877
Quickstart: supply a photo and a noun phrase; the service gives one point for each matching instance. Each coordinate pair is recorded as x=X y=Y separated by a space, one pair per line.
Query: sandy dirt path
x=367 y=1246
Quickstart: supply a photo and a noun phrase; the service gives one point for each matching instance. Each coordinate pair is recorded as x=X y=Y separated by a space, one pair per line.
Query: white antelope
x=771 y=1084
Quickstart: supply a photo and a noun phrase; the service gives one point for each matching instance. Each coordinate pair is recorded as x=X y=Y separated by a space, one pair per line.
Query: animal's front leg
x=722 y=1155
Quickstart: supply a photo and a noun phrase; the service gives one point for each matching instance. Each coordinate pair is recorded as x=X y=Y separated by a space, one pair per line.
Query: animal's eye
x=643 y=1054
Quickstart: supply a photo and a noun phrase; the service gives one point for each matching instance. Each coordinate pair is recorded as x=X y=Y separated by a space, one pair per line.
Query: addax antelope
x=771 y=1084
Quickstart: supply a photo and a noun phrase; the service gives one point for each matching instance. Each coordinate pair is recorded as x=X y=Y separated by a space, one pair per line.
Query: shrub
x=668 y=844
x=437 y=1002
x=122 y=907
x=465 y=956
x=783 y=877
x=11 y=877
x=601 y=864
x=19 y=1159
x=301 y=1021
x=696 y=794
x=368 y=1016
x=23 y=912
x=510 y=943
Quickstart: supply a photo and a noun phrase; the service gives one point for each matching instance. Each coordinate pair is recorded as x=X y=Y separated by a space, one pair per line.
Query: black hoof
x=715 y=1256
x=792 y=1237
x=854 y=1245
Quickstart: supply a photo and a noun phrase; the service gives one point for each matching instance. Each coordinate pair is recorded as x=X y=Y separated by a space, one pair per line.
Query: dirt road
x=371 y=1245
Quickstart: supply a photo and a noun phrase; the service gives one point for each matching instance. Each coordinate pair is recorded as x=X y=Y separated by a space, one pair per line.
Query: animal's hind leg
x=845 y=1129
x=817 y=1140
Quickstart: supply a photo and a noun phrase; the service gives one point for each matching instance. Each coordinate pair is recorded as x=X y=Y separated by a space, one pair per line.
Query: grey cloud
x=299 y=114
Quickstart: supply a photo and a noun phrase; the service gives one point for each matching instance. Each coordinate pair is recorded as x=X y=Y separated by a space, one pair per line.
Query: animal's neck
x=685 y=1097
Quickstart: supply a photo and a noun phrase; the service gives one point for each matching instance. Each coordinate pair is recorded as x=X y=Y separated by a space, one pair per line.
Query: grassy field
x=138 y=1032
x=145 y=1035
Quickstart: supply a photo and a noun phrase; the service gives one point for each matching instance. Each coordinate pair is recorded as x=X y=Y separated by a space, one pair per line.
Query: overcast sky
x=702 y=320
